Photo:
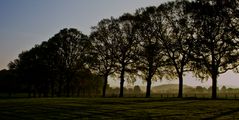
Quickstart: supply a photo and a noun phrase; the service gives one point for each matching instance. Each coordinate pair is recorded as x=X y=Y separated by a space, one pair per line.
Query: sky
x=24 y=23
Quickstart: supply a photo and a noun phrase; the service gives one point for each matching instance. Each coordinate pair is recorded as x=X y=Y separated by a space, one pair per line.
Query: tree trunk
x=29 y=94
x=68 y=88
x=68 y=84
x=60 y=89
x=122 y=81
x=34 y=93
x=78 y=92
x=214 y=86
x=52 y=89
x=180 y=90
x=148 y=88
x=10 y=93
x=29 y=91
x=105 y=85
x=39 y=94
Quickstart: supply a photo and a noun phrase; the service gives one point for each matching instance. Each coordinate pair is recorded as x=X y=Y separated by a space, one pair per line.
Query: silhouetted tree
x=72 y=50
x=137 y=89
x=200 y=35
x=223 y=89
x=200 y=89
x=216 y=39
x=50 y=62
x=151 y=54
x=8 y=82
x=31 y=69
x=102 y=39
x=87 y=84
x=125 y=46
x=59 y=62
x=26 y=72
x=175 y=32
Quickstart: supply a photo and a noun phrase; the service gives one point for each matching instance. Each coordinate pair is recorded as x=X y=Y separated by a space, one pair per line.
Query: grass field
x=116 y=108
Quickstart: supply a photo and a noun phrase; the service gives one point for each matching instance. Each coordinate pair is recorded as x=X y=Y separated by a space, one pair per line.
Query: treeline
x=129 y=91
x=57 y=67
x=173 y=89
x=153 y=43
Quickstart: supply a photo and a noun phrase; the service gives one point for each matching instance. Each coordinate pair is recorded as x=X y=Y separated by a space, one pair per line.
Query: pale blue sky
x=24 y=23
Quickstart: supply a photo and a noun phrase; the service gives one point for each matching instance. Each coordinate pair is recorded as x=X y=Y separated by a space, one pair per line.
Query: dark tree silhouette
x=137 y=89
x=8 y=82
x=71 y=49
x=125 y=46
x=175 y=32
x=50 y=61
x=155 y=42
x=56 y=65
x=151 y=55
x=103 y=50
x=27 y=71
x=216 y=39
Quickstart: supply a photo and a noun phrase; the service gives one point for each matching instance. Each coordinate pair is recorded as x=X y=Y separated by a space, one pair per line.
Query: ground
x=117 y=108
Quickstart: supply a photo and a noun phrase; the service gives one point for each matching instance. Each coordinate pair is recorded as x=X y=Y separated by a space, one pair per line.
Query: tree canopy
x=155 y=42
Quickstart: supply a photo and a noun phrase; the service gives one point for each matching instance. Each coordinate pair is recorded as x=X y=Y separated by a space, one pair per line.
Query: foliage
x=102 y=39
x=215 y=48
x=175 y=34
x=57 y=65
x=126 y=47
x=151 y=53
x=154 y=43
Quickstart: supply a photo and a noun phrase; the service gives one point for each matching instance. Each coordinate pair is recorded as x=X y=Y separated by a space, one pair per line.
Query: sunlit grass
x=117 y=108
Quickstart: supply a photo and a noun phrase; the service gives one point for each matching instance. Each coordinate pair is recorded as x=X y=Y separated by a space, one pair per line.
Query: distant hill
x=170 y=88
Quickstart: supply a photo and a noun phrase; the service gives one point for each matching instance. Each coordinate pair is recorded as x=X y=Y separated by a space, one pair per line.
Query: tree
x=175 y=32
x=126 y=47
x=137 y=89
x=8 y=82
x=87 y=83
x=151 y=54
x=223 y=89
x=68 y=57
x=215 y=49
x=31 y=69
x=51 y=63
x=71 y=49
x=103 y=50
x=26 y=71
x=200 y=89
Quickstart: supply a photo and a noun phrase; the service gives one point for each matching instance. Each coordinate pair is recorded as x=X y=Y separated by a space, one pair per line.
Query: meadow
x=117 y=108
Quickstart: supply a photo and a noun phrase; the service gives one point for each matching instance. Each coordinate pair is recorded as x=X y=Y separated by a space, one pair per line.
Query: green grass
x=116 y=108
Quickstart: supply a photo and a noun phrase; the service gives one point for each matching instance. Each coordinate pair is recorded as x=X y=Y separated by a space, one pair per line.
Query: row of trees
x=58 y=66
x=154 y=43
x=169 y=40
